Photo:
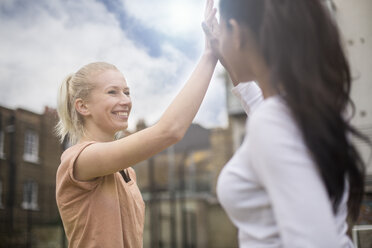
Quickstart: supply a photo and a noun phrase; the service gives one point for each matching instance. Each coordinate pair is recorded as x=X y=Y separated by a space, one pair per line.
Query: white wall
x=355 y=22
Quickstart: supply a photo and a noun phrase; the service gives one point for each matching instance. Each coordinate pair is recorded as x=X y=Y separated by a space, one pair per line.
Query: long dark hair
x=301 y=46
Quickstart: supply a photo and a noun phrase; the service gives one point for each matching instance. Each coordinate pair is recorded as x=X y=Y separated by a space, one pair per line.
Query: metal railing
x=362 y=236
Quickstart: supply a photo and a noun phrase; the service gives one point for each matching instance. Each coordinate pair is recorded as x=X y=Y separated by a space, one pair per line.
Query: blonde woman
x=97 y=195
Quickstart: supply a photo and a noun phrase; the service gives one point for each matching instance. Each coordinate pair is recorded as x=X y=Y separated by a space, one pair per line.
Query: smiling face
x=109 y=104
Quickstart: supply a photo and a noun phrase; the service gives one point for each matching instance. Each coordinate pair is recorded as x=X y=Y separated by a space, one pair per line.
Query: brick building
x=29 y=157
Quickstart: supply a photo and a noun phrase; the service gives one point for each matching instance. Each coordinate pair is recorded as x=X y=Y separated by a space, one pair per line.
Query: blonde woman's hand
x=210 y=28
x=212 y=33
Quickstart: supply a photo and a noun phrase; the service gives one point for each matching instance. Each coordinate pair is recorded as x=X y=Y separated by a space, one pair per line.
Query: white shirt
x=271 y=188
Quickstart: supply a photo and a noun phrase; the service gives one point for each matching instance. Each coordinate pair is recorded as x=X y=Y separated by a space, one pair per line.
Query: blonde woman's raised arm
x=101 y=159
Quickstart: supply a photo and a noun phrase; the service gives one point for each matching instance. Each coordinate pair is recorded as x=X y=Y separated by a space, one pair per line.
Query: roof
x=196 y=138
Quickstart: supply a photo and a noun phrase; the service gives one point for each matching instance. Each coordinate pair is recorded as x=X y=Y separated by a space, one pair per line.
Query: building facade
x=29 y=157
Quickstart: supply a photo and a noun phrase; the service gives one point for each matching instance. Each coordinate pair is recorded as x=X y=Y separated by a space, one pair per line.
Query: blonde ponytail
x=77 y=85
x=63 y=109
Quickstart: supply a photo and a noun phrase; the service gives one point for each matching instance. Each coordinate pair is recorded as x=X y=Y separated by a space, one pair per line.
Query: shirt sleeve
x=302 y=209
x=86 y=185
x=249 y=94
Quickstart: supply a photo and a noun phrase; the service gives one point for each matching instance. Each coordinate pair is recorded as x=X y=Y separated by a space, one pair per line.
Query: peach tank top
x=105 y=212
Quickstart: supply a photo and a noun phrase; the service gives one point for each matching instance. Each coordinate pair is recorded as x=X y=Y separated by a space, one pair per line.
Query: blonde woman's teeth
x=122 y=113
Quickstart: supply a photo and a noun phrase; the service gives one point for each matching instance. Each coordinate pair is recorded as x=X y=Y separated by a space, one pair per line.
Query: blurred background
x=155 y=44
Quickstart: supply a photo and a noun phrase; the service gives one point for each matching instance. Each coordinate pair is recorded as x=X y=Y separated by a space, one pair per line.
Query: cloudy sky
x=155 y=44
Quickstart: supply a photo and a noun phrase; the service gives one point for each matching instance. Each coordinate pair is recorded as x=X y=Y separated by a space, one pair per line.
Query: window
x=30 y=195
x=31 y=151
x=1 y=195
x=2 y=155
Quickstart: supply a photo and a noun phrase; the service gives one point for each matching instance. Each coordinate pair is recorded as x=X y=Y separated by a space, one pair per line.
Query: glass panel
x=31 y=149
x=30 y=193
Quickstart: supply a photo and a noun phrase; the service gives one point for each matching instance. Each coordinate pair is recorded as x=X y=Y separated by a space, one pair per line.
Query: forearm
x=179 y=115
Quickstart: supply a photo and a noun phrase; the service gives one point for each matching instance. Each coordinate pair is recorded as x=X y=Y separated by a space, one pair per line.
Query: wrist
x=209 y=55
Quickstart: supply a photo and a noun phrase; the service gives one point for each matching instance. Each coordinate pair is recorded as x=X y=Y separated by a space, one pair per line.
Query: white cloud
x=45 y=40
x=171 y=17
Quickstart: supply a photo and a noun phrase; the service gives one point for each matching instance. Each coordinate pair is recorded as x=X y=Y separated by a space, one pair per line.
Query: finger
x=207 y=8
x=207 y=3
x=212 y=15
x=210 y=6
x=215 y=21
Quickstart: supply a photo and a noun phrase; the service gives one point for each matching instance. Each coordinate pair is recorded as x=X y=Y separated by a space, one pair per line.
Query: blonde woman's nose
x=125 y=99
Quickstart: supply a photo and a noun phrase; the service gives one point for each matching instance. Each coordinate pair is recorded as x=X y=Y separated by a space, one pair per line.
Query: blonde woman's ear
x=81 y=107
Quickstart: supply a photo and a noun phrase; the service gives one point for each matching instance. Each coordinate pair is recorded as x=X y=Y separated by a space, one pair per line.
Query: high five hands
x=212 y=32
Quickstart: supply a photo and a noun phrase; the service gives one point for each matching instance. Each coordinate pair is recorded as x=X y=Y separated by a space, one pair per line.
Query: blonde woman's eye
x=112 y=92
x=127 y=93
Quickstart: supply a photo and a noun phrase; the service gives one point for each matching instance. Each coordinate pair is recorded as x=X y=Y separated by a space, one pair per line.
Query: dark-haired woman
x=296 y=177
